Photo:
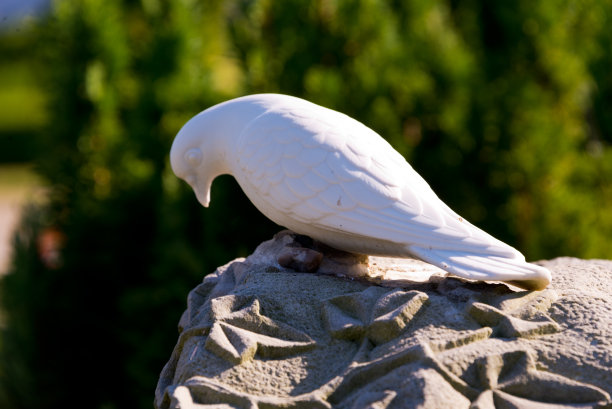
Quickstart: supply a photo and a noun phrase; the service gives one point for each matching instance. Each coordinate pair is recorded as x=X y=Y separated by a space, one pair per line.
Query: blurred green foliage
x=502 y=106
x=22 y=101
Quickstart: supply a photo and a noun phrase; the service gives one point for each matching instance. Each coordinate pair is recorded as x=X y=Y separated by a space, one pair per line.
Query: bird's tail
x=484 y=267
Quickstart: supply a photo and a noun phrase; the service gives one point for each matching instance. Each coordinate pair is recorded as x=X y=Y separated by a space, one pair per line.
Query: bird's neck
x=231 y=118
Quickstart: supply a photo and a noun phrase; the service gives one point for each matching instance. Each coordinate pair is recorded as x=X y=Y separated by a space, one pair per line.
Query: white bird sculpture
x=323 y=174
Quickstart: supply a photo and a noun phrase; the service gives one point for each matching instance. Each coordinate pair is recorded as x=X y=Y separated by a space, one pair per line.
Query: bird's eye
x=193 y=157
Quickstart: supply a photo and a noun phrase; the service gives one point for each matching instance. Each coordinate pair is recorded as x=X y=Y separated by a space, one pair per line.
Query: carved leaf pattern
x=238 y=335
x=516 y=317
x=378 y=317
x=512 y=380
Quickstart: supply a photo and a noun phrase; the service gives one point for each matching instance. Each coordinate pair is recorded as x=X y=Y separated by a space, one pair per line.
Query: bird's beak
x=201 y=190
x=203 y=196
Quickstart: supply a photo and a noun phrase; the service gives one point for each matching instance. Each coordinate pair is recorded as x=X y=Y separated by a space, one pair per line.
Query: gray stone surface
x=259 y=335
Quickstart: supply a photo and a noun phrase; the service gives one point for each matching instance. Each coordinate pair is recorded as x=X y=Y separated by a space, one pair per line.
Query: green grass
x=22 y=101
x=16 y=181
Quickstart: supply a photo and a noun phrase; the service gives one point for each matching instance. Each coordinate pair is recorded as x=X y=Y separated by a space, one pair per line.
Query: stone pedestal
x=259 y=335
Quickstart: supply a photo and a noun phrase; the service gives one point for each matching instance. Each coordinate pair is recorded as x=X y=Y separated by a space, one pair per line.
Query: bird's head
x=197 y=155
x=203 y=148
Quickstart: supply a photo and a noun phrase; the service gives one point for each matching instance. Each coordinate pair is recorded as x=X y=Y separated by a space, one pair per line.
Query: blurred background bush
x=504 y=107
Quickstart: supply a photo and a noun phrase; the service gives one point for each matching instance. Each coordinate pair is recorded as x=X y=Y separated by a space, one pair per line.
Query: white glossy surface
x=321 y=173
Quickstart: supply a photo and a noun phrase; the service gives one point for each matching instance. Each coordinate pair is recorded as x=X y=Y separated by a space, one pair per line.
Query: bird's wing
x=328 y=170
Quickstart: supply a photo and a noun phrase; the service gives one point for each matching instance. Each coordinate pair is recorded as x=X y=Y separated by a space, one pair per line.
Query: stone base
x=259 y=335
